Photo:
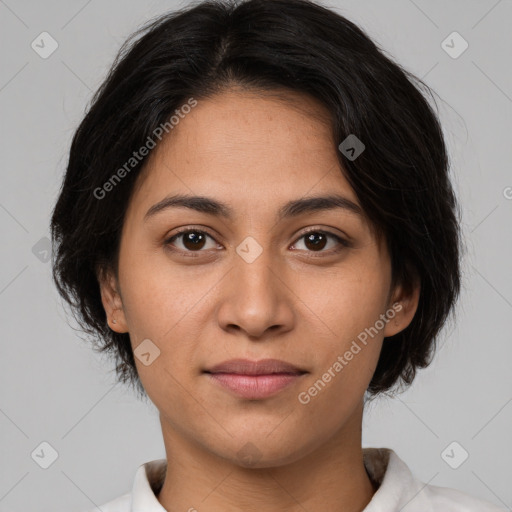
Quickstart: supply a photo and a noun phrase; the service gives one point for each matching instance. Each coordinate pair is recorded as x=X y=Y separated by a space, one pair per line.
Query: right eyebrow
x=198 y=203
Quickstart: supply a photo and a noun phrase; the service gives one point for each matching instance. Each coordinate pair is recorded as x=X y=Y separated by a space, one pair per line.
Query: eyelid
x=188 y=229
x=343 y=237
x=344 y=241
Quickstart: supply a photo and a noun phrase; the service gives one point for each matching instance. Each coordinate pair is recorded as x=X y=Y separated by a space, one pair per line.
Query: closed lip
x=249 y=367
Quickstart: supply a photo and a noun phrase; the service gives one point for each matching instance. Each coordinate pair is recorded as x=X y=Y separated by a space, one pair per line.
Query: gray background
x=55 y=389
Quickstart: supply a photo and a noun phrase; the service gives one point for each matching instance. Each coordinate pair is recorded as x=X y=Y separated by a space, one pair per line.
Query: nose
x=257 y=300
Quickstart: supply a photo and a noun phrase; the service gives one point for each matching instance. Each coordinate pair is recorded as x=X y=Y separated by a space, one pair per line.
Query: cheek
x=347 y=315
x=155 y=295
x=166 y=306
x=349 y=300
x=345 y=358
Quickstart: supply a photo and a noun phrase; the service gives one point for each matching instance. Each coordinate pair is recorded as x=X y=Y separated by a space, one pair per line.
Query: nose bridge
x=254 y=299
x=255 y=266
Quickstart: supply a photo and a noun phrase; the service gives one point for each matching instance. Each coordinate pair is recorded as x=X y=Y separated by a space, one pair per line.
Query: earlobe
x=112 y=301
x=402 y=308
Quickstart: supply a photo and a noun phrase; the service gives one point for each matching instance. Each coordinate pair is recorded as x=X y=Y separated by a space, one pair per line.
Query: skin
x=296 y=302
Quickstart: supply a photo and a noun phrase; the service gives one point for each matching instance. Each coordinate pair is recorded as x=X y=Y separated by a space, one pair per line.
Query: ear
x=404 y=303
x=111 y=300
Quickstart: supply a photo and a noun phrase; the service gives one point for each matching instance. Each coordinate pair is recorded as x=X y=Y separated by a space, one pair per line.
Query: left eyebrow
x=290 y=209
x=318 y=203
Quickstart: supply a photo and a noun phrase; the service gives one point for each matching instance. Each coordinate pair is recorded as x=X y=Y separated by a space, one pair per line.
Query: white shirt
x=398 y=489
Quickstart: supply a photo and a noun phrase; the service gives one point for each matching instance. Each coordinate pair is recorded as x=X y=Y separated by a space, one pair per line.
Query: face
x=295 y=284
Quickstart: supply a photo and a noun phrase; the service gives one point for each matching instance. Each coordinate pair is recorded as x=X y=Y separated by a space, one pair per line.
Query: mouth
x=262 y=367
x=255 y=380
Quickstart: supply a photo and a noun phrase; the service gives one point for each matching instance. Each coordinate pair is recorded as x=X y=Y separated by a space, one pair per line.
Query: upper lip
x=261 y=367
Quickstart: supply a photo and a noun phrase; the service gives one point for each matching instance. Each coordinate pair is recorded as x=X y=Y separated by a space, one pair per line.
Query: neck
x=331 y=478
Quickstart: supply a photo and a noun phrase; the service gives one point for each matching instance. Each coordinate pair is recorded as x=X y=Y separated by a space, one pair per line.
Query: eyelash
x=343 y=243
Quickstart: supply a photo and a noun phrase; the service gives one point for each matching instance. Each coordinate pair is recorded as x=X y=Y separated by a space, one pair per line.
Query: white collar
x=143 y=496
x=398 y=489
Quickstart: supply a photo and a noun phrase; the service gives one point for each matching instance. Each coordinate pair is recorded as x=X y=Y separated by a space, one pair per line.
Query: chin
x=260 y=450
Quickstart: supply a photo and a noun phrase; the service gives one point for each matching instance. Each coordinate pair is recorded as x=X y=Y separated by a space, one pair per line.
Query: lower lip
x=255 y=387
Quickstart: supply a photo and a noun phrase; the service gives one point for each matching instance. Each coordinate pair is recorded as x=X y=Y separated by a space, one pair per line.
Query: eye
x=192 y=240
x=315 y=240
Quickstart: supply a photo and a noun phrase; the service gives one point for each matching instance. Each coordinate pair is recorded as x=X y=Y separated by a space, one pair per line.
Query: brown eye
x=192 y=240
x=195 y=240
x=317 y=240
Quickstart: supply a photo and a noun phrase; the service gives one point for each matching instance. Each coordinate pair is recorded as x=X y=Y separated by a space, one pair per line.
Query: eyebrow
x=291 y=209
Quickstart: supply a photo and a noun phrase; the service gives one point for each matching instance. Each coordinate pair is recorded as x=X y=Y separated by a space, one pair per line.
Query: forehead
x=250 y=149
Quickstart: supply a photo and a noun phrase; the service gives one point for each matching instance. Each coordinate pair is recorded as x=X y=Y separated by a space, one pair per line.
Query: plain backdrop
x=54 y=389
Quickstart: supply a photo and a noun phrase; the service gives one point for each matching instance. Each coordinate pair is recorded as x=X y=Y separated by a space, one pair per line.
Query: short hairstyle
x=400 y=179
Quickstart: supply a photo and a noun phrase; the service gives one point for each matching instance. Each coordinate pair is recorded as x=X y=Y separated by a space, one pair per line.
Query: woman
x=257 y=222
